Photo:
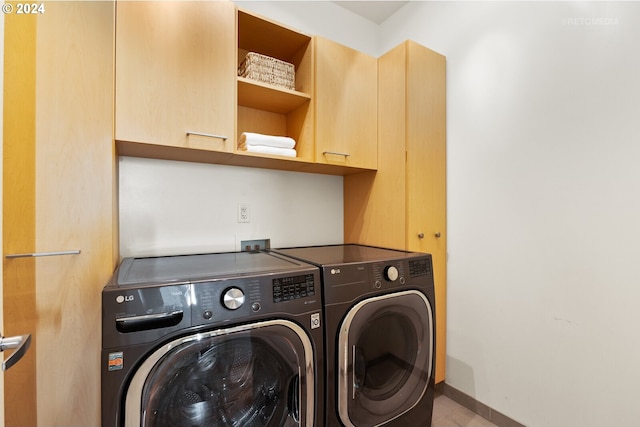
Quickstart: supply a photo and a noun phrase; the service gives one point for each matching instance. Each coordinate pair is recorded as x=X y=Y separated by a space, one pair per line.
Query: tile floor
x=447 y=413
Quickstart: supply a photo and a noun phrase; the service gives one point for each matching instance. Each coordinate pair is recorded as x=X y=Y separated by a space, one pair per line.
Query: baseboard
x=479 y=408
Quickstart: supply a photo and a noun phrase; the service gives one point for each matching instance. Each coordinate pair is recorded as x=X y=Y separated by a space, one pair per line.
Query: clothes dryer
x=379 y=307
x=231 y=339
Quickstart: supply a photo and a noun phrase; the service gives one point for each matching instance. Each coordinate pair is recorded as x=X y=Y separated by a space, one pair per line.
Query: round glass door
x=385 y=356
x=246 y=377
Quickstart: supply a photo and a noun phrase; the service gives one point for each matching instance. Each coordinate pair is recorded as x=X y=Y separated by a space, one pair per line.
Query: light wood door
x=426 y=174
x=406 y=197
x=176 y=73
x=346 y=106
x=58 y=188
x=375 y=202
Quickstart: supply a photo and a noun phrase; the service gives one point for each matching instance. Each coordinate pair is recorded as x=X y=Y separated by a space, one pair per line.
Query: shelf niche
x=272 y=110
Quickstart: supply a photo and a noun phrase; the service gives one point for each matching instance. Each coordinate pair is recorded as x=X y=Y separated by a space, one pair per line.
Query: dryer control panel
x=348 y=282
x=419 y=267
x=389 y=273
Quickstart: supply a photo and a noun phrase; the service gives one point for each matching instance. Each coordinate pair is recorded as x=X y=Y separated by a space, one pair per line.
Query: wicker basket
x=268 y=70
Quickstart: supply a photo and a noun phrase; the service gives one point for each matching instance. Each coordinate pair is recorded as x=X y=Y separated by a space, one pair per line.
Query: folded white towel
x=250 y=138
x=263 y=149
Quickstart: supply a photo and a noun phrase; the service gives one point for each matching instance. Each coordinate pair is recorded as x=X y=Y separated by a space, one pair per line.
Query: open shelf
x=271 y=110
x=263 y=161
x=262 y=35
x=254 y=94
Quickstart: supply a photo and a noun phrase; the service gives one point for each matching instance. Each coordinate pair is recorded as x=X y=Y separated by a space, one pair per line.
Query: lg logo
x=124 y=298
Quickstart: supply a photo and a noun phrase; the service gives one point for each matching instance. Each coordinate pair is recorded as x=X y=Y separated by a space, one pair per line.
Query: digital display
x=419 y=267
x=293 y=287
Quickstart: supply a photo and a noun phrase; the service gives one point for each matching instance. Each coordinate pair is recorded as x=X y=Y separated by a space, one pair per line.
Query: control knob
x=233 y=298
x=391 y=273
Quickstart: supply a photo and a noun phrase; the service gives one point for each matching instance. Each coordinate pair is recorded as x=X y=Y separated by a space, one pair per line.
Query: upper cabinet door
x=176 y=74
x=426 y=153
x=346 y=106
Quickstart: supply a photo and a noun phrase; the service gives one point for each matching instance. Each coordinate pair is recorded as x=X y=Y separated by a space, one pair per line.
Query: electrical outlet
x=244 y=213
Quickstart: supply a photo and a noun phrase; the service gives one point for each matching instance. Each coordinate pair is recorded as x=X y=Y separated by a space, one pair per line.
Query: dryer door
x=256 y=375
x=385 y=358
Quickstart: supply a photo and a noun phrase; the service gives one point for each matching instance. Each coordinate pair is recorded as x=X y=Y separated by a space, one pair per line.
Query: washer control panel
x=293 y=287
x=225 y=299
x=241 y=298
x=233 y=298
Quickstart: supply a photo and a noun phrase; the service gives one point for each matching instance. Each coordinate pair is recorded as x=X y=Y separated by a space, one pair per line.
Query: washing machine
x=228 y=339
x=379 y=308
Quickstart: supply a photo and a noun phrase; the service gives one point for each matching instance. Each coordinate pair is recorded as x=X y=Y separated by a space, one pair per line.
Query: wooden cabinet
x=346 y=106
x=403 y=204
x=426 y=174
x=175 y=74
x=58 y=194
x=178 y=95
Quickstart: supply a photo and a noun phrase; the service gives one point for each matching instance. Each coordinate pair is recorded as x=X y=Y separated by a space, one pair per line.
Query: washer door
x=257 y=375
x=385 y=358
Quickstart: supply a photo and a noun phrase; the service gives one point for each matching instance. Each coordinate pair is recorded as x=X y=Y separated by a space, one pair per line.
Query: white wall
x=171 y=207
x=543 y=204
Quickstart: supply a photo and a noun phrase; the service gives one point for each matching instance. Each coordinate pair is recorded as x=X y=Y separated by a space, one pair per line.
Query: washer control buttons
x=293 y=287
x=256 y=306
x=391 y=273
x=208 y=314
x=233 y=298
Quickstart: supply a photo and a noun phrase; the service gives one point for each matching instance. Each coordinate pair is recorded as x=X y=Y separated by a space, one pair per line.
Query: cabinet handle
x=20 y=344
x=208 y=135
x=420 y=235
x=39 y=254
x=438 y=235
x=335 y=153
